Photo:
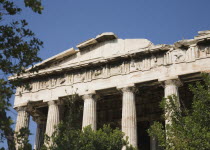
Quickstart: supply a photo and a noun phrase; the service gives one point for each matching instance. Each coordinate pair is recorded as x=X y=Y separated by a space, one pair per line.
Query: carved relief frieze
x=79 y=76
x=178 y=56
x=115 y=69
x=168 y=58
x=125 y=67
x=134 y=65
x=192 y=53
x=160 y=59
x=174 y=56
x=53 y=82
x=144 y=63
x=70 y=78
x=44 y=84
x=154 y=61
x=204 y=51
x=197 y=52
x=98 y=72
x=49 y=82
x=88 y=75
x=61 y=80
x=35 y=86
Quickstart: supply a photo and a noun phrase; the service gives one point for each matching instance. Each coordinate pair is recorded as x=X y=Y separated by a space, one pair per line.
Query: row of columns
x=129 y=118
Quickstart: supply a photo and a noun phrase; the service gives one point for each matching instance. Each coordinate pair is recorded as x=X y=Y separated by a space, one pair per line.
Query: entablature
x=136 y=66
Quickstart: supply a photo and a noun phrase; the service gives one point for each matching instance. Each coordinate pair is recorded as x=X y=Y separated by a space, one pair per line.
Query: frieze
x=192 y=53
x=145 y=63
x=204 y=51
x=98 y=72
x=115 y=69
x=178 y=56
x=70 y=79
x=79 y=77
x=138 y=63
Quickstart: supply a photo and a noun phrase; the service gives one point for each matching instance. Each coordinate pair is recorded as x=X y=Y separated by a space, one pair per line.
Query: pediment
x=105 y=47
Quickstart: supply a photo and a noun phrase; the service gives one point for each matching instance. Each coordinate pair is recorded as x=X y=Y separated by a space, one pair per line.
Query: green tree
x=18 y=50
x=190 y=128
x=68 y=134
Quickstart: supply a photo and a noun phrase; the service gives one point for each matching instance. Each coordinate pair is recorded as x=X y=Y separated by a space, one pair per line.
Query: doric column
x=129 y=124
x=52 y=117
x=171 y=88
x=89 y=111
x=40 y=130
x=22 y=120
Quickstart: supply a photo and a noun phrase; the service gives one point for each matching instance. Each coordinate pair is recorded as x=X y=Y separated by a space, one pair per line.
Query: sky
x=66 y=23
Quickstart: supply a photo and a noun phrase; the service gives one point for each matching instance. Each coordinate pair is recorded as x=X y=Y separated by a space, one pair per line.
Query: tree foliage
x=190 y=128
x=18 y=50
x=87 y=139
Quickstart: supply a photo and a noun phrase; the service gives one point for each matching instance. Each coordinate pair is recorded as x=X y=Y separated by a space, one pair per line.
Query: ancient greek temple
x=121 y=82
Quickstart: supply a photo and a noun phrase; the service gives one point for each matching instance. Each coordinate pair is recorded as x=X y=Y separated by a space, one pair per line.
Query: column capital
x=177 y=82
x=54 y=102
x=171 y=81
x=90 y=95
x=21 y=108
x=127 y=88
x=87 y=96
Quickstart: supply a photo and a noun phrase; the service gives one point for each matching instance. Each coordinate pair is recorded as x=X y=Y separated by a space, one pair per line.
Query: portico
x=121 y=82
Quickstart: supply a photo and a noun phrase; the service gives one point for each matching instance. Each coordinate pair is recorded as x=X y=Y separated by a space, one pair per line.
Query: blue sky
x=64 y=24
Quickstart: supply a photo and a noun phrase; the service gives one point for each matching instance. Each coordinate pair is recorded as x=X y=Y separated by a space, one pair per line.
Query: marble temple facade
x=121 y=82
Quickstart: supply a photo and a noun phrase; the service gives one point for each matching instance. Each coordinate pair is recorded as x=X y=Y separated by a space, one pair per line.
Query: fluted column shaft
x=89 y=112
x=39 y=141
x=171 y=88
x=153 y=143
x=22 y=120
x=129 y=124
x=52 y=118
